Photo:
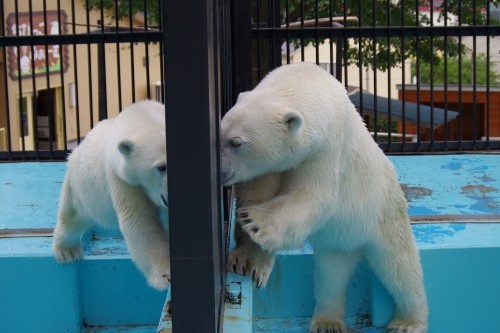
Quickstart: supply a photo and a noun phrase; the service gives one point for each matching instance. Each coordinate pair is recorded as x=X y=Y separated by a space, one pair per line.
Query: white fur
x=305 y=167
x=115 y=179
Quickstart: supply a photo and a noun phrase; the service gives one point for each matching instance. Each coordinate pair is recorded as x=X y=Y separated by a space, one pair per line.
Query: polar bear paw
x=253 y=221
x=68 y=255
x=159 y=278
x=159 y=281
x=401 y=326
x=249 y=261
x=323 y=325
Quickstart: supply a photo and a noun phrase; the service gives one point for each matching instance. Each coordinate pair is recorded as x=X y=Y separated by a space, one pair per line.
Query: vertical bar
x=33 y=82
x=89 y=59
x=474 y=78
x=194 y=203
x=19 y=85
x=418 y=57
x=403 y=78
x=5 y=77
x=118 y=60
x=242 y=46
x=374 y=67
x=302 y=42
x=431 y=86
x=316 y=38
x=389 y=82
x=132 y=57
x=49 y=101
x=360 y=58
x=146 y=48
x=345 y=47
x=460 y=114
x=445 y=79
x=75 y=73
x=61 y=75
x=101 y=60
x=487 y=107
x=273 y=19
x=287 y=22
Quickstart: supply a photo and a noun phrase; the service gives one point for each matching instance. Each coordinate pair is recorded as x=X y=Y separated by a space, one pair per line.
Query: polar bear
x=117 y=177
x=306 y=168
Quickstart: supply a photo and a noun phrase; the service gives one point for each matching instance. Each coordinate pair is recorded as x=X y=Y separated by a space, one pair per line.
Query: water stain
x=415 y=192
x=474 y=190
x=486 y=179
x=481 y=194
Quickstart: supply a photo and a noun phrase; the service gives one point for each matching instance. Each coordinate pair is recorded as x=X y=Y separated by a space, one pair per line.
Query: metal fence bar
x=192 y=126
x=374 y=33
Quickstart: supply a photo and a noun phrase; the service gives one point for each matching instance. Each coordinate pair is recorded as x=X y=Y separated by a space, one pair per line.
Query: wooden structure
x=478 y=107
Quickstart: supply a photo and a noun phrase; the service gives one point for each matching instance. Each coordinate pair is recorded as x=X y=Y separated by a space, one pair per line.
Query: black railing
x=85 y=62
x=198 y=55
x=404 y=59
x=110 y=57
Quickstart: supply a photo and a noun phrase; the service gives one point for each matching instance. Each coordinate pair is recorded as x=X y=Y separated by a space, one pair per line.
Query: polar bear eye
x=162 y=167
x=235 y=142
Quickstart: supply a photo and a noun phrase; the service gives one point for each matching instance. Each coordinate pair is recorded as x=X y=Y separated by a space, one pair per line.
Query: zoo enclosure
x=82 y=65
x=423 y=74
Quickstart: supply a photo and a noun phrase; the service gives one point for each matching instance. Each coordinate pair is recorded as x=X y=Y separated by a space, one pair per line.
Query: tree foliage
x=385 y=52
x=127 y=8
x=380 y=53
x=463 y=70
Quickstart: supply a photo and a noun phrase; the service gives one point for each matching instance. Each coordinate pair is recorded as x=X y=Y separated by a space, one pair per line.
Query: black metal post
x=192 y=145
x=241 y=15
x=103 y=102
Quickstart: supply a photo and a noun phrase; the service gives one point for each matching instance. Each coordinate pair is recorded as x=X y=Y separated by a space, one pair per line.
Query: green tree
x=127 y=8
x=380 y=53
x=454 y=65
x=384 y=52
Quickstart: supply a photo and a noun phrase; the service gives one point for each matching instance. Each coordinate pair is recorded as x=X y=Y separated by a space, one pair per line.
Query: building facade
x=52 y=95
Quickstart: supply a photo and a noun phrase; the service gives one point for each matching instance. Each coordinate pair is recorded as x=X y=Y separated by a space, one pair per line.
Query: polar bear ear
x=126 y=147
x=294 y=120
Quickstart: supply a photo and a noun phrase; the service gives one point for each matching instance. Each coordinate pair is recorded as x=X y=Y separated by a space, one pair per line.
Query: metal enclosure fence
x=423 y=74
x=67 y=64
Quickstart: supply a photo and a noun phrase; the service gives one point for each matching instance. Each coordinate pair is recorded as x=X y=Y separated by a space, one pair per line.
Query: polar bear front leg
x=283 y=222
x=69 y=229
x=247 y=258
x=146 y=239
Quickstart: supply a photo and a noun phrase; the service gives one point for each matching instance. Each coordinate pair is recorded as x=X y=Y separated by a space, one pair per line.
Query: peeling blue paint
x=417 y=210
x=434 y=233
x=438 y=174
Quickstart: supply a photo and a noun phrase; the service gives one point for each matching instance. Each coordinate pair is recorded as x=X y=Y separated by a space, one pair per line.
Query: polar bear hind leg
x=332 y=270
x=402 y=276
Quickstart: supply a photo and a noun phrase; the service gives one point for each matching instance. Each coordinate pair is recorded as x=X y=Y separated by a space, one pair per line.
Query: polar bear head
x=259 y=135
x=140 y=140
x=296 y=111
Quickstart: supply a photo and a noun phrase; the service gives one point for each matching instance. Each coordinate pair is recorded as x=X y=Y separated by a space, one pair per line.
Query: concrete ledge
x=103 y=290
x=462 y=274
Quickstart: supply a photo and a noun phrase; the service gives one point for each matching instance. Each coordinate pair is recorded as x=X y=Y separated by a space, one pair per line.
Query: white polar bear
x=117 y=177
x=305 y=167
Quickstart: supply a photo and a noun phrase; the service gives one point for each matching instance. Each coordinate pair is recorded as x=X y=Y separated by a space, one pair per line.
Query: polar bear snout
x=226 y=177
